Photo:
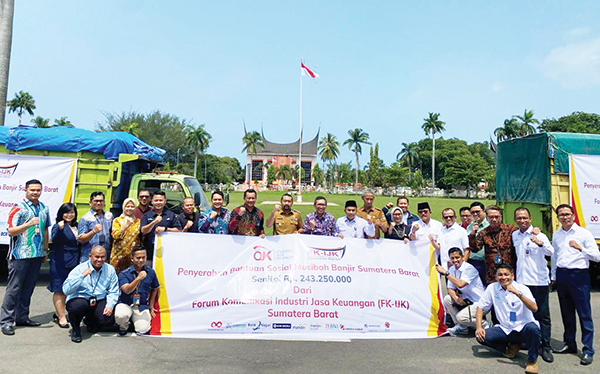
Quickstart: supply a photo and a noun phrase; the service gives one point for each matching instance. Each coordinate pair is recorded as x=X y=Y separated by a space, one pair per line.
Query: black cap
x=351 y=203
x=422 y=206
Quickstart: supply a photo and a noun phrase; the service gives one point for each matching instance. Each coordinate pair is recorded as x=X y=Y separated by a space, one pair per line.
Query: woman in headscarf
x=126 y=235
x=63 y=258
x=397 y=229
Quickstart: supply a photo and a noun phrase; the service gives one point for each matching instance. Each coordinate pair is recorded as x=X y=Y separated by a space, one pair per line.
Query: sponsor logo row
x=260 y=326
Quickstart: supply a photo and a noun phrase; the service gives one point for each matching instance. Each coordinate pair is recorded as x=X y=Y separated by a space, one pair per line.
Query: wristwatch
x=520 y=294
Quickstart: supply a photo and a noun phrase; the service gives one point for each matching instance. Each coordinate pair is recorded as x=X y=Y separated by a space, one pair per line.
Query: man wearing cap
x=373 y=214
x=351 y=226
x=425 y=228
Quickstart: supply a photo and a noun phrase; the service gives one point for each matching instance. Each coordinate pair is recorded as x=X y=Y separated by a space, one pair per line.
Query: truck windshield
x=194 y=186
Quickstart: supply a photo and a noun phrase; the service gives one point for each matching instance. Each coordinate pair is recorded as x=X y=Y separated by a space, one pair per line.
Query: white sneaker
x=458 y=330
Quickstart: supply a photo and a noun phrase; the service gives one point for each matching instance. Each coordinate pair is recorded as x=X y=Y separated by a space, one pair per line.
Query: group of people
x=100 y=273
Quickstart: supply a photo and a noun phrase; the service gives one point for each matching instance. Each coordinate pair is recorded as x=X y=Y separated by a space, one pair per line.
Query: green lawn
x=437 y=203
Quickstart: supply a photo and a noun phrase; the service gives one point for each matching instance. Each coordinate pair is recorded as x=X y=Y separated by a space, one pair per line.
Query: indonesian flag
x=306 y=71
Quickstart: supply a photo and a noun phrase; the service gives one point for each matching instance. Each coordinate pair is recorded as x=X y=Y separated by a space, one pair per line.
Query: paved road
x=48 y=349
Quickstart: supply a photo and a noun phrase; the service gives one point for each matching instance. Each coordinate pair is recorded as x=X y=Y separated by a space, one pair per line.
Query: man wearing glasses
x=465 y=217
x=425 y=228
x=574 y=247
x=478 y=224
x=143 y=204
x=94 y=227
x=451 y=236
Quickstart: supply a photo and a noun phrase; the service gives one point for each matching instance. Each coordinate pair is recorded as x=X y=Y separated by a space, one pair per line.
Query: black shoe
x=547 y=354
x=586 y=359
x=75 y=337
x=8 y=330
x=122 y=332
x=565 y=349
x=28 y=323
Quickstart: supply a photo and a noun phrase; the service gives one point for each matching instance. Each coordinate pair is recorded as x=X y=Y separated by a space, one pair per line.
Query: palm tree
x=7 y=8
x=432 y=125
x=357 y=137
x=23 y=102
x=527 y=122
x=132 y=128
x=329 y=150
x=198 y=139
x=62 y=121
x=40 y=122
x=409 y=154
x=252 y=142
x=284 y=173
x=511 y=129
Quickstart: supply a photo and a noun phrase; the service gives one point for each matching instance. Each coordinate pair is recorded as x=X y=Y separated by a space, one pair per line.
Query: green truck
x=116 y=163
x=533 y=171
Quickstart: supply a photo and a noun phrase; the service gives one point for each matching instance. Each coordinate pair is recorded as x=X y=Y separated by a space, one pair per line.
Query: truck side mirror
x=226 y=199
x=197 y=199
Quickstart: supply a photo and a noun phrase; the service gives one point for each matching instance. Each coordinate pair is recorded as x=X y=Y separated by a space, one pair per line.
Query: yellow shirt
x=376 y=216
x=284 y=224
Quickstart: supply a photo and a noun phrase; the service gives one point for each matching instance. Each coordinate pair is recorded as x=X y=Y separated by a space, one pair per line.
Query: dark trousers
x=22 y=277
x=573 y=287
x=480 y=266
x=94 y=317
x=530 y=335
x=540 y=293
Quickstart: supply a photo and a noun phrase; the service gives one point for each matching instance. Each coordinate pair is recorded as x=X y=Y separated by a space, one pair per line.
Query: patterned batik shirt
x=499 y=248
x=29 y=243
x=251 y=223
x=325 y=225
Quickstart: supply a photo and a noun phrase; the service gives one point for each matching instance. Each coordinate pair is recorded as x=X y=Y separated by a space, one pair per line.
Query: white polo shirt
x=467 y=272
x=450 y=237
x=511 y=312
x=357 y=228
x=434 y=227
x=532 y=266
x=568 y=257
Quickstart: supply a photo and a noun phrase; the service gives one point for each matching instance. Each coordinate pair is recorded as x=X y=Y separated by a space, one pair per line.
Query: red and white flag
x=305 y=70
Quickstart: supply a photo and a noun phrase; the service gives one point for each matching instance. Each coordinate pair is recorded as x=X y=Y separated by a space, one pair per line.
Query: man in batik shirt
x=247 y=219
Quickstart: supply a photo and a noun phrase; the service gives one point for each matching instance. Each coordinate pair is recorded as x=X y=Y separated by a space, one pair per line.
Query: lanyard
x=97 y=280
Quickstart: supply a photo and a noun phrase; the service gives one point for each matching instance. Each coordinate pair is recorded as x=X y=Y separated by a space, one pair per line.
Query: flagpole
x=299 y=197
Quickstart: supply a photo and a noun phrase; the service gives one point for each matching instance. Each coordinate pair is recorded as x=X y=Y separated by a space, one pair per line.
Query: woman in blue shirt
x=63 y=257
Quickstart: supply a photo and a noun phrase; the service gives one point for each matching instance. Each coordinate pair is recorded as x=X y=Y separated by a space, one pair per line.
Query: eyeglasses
x=447 y=217
x=423 y=211
x=565 y=215
x=144 y=197
x=98 y=201
x=465 y=215
x=476 y=211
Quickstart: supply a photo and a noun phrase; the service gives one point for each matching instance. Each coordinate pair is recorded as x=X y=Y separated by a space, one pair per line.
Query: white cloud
x=576 y=65
x=579 y=31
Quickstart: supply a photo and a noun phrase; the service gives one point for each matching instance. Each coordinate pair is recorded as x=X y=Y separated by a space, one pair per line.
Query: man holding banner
x=352 y=226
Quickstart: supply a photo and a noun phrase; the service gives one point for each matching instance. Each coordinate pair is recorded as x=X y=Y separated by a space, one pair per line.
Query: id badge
x=136 y=299
x=102 y=239
x=512 y=316
x=93 y=301
x=497 y=260
x=37 y=230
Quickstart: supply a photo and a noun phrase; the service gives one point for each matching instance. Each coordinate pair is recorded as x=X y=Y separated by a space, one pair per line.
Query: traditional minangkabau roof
x=309 y=148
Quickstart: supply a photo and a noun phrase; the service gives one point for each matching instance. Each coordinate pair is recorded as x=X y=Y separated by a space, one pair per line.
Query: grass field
x=437 y=203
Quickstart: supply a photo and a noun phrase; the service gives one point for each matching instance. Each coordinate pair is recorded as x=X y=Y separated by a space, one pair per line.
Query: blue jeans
x=530 y=335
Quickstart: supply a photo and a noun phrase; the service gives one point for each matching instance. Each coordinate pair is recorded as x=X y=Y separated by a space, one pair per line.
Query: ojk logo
x=7 y=171
x=594 y=218
x=262 y=253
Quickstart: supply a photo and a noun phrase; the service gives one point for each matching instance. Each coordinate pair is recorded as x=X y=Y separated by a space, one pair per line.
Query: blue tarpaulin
x=109 y=143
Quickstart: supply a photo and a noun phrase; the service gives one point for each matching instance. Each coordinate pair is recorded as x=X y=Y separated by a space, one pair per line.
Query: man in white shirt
x=532 y=271
x=514 y=305
x=451 y=235
x=574 y=247
x=352 y=226
x=464 y=290
x=425 y=228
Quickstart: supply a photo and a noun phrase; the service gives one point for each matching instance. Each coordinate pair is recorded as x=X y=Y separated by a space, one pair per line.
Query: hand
x=312 y=224
x=393 y=224
x=389 y=205
x=188 y=225
x=475 y=228
x=97 y=228
x=142 y=275
x=213 y=215
x=480 y=334
x=157 y=220
x=61 y=225
x=34 y=221
x=369 y=221
x=242 y=210
x=153 y=312
x=128 y=221
x=440 y=269
x=86 y=272
x=511 y=288
x=107 y=311
x=433 y=238
x=536 y=230
x=160 y=229
x=575 y=245
x=277 y=208
x=262 y=236
x=536 y=240
x=406 y=240
x=552 y=285
x=460 y=301
x=415 y=228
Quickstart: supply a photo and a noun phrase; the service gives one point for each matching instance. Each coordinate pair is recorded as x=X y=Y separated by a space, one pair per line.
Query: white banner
x=584 y=184
x=57 y=175
x=295 y=287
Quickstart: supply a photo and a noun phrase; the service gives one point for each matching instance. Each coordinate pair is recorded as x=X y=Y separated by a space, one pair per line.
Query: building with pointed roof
x=280 y=154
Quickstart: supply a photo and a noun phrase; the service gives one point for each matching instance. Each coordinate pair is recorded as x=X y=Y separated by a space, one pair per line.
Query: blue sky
x=383 y=64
